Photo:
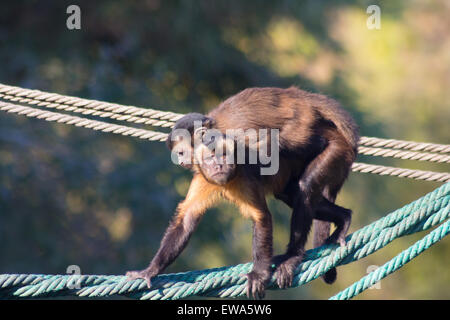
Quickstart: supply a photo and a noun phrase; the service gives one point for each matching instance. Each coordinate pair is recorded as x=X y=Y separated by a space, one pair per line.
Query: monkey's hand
x=286 y=266
x=146 y=274
x=256 y=283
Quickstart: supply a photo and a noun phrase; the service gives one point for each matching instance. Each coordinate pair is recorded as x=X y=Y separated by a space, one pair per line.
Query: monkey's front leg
x=262 y=256
x=200 y=196
x=174 y=241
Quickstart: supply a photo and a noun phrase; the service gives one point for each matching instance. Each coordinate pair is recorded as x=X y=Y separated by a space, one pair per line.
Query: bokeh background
x=101 y=201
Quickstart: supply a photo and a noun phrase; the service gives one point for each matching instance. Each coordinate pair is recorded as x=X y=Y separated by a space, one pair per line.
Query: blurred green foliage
x=74 y=196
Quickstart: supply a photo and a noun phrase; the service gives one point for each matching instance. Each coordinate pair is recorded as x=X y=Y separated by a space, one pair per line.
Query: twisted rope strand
x=402 y=154
x=401 y=144
x=401 y=172
x=160 y=136
x=75 y=104
x=83 y=122
x=92 y=112
x=35 y=96
x=234 y=285
x=163 y=292
x=422 y=214
x=394 y=264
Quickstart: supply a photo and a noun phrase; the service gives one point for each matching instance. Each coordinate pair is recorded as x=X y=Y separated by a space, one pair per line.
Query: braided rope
x=401 y=172
x=83 y=122
x=63 y=102
x=422 y=214
x=402 y=154
x=92 y=112
x=394 y=264
x=401 y=144
x=160 y=136
x=141 y=115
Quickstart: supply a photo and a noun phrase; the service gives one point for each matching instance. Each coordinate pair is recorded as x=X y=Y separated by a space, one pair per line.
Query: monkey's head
x=216 y=160
x=182 y=137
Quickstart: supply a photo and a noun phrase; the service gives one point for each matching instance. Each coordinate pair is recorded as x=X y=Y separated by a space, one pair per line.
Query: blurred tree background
x=100 y=201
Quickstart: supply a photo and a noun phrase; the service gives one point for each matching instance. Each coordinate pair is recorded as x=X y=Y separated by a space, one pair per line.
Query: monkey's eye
x=180 y=153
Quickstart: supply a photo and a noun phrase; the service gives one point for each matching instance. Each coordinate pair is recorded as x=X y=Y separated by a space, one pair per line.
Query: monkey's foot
x=337 y=238
x=256 y=284
x=286 y=266
x=146 y=274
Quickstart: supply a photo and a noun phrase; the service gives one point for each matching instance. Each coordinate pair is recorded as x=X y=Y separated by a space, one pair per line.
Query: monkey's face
x=183 y=152
x=214 y=166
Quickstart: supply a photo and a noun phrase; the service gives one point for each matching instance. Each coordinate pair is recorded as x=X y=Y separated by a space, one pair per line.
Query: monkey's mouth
x=219 y=174
x=220 y=178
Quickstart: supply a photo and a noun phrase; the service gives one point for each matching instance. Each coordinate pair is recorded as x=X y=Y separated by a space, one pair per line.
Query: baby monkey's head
x=215 y=158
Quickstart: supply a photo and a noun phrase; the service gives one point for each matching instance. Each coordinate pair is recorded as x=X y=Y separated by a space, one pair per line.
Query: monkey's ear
x=209 y=122
x=199 y=133
x=169 y=142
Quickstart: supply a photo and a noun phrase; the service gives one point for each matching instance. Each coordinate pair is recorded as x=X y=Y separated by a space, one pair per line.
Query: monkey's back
x=293 y=111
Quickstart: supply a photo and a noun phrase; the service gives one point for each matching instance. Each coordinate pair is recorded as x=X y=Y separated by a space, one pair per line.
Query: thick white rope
x=404 y=154
x=401 y=172
x=159 y=136
x=92 y=112
x=83 y=122
x=406 y=145
x=148 y=116
x=36 y=96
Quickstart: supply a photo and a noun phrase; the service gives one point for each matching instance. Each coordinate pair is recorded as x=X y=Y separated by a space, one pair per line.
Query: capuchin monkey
x=317 y=145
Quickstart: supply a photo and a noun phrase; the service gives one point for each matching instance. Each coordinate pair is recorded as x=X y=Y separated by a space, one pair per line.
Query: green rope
x=427 y=212
x=394 y=264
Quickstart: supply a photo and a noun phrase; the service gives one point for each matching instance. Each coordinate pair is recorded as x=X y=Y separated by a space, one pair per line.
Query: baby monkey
x=216 y=160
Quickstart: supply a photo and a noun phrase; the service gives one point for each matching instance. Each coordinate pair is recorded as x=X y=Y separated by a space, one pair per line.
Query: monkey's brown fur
x=318 y=144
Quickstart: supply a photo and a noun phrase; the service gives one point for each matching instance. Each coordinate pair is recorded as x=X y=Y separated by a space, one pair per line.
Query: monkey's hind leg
x=322 y=178
x=321 y=234
x=341 y=217
x=331 y=168
x=301 y=222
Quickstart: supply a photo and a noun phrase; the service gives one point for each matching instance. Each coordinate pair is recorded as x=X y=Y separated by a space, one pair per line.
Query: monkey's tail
x=321 y=234
x=330 y=276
